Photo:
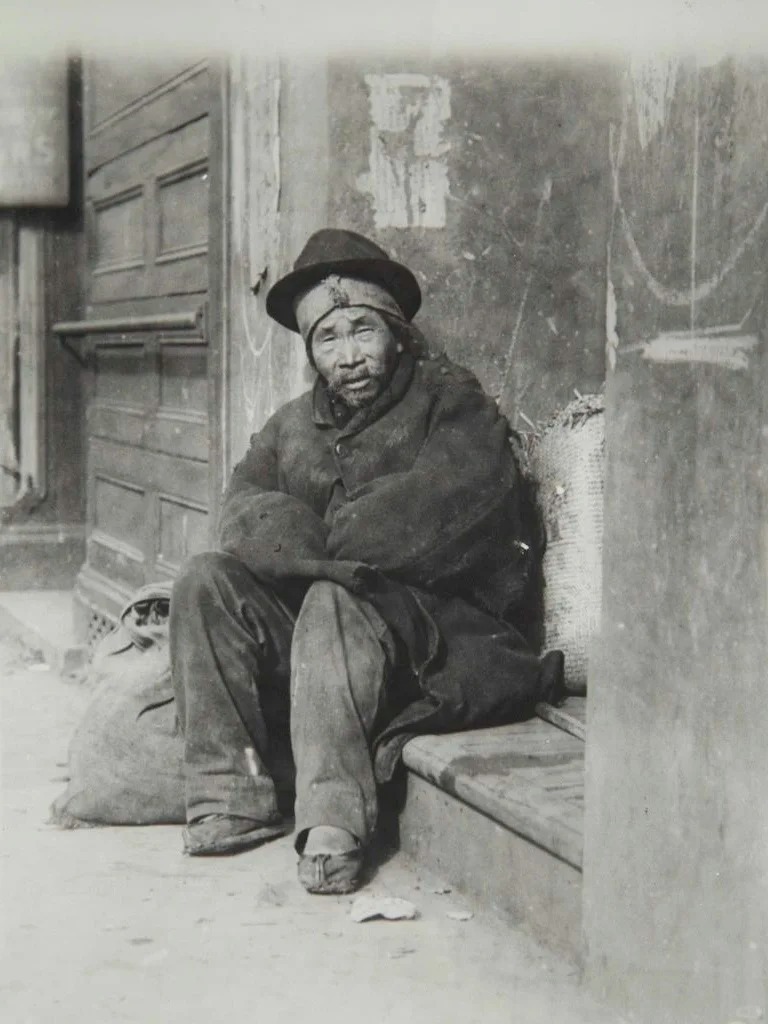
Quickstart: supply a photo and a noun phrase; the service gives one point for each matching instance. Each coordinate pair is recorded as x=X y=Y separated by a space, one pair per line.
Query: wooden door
x=153 y=228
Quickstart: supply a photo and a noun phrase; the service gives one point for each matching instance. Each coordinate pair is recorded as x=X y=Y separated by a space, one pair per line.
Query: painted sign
x=34 y=133
x=408 y=171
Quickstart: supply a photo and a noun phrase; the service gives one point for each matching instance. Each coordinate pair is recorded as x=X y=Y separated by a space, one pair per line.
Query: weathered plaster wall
x=676 y=844
x=490 y=179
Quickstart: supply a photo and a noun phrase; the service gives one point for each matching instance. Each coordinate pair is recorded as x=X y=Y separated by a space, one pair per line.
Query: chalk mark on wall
x=654 y=79
x=731 y=353
x=611 y=323
x=258 y=374
x=249 y=241
x=408 y=172
x=670 y=296
x=719 y=346
x=546 y=196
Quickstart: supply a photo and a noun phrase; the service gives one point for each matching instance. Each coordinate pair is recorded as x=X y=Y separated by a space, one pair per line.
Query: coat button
x=340 y=449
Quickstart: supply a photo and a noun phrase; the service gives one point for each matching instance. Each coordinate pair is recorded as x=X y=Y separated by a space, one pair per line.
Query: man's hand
x=260 y=526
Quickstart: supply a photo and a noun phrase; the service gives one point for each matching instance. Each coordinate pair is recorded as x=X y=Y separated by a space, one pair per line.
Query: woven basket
x=567 y=464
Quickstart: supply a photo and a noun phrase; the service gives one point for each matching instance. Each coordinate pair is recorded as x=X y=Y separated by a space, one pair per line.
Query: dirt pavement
x=112 y=925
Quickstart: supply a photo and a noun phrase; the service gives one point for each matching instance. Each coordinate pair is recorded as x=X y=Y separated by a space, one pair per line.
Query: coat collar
x=326 y=413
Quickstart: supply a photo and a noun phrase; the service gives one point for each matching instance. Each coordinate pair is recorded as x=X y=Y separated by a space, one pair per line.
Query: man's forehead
x=342 y=293
x=355 y=314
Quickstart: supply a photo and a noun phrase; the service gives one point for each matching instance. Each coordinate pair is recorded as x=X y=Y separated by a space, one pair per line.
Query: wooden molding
x=186 y=320
x=148 y=98
x=217 y=311
x=32 y=363
x=9 y=467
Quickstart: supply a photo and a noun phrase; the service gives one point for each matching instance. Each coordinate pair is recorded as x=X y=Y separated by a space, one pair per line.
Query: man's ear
x=308 y=350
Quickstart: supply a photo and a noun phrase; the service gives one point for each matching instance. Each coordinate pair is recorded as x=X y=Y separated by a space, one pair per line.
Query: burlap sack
x=567 y=464
x=126 y=759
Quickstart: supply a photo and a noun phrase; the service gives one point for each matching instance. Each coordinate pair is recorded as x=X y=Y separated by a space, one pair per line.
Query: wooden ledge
x=571 y=716
x=528 y=777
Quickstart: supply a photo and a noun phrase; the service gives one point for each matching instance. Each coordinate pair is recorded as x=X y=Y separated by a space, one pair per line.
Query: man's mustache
x=352 y=378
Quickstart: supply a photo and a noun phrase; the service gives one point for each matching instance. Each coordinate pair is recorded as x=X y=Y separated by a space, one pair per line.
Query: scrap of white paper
x=390 y=907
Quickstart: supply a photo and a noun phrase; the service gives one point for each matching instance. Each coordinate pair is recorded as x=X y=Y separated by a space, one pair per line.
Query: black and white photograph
x=384 y=512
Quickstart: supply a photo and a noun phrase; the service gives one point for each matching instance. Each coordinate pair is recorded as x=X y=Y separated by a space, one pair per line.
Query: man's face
x=355 y=352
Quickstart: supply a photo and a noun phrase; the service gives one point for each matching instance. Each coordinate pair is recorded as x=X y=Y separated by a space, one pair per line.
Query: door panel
x=116 y=89
x=147 y=145
x=130 y=103
x=148 y=219
x=183 y=529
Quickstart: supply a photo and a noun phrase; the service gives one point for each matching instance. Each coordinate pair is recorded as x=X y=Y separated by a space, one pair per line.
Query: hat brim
x=396 y=278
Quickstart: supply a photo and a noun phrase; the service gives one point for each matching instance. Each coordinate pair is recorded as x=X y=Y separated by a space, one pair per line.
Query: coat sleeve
x=450 y=517
x=258 y=522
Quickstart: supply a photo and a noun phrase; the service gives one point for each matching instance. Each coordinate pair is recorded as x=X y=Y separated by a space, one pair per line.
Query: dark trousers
x=258 y=675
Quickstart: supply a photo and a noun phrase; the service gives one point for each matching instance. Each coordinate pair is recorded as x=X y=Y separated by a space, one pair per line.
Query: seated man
x=371 y=565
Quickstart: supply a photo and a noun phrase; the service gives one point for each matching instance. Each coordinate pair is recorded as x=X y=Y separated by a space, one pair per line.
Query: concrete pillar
x=677 y=759
x=676 y=830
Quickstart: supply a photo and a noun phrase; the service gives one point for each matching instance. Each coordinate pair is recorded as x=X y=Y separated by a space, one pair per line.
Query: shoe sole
x=332 y=888
x=233 y=844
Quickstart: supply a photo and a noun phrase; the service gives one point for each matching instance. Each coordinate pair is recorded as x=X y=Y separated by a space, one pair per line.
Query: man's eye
x=364 y=329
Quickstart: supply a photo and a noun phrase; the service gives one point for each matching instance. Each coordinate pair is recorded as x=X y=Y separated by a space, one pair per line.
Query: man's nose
x=349 y=351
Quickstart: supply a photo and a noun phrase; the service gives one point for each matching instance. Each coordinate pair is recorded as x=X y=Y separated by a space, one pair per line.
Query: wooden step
x=571 y=716
x=498 y=813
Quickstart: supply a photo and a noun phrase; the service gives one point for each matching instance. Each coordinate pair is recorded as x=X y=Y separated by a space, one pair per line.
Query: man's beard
x=370 y=386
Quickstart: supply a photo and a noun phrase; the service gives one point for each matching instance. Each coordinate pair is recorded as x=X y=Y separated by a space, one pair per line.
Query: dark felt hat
x=335 y=251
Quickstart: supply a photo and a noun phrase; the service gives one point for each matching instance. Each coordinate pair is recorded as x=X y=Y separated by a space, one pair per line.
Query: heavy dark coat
x=414 y=503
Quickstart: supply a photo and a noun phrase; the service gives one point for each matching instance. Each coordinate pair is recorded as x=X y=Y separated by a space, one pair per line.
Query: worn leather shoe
x=331 y=873
x=219 y=834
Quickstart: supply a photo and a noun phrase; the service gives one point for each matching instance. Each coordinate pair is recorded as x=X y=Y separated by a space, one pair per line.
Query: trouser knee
x=204 y=574
x=322 y=596
x=327 y=615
